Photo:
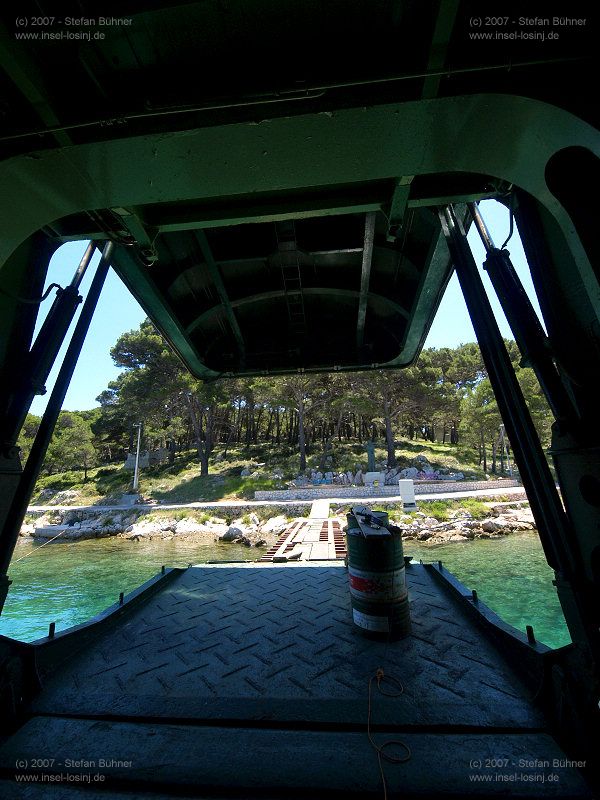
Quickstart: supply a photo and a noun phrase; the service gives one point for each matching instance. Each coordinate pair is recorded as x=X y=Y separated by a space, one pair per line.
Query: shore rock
x=275 y=524
x=189 y=526
x=231 y=534
x=492 y=526
x=461 y=527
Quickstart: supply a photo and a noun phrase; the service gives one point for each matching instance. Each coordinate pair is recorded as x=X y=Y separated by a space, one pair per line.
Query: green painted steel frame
x=508 y=137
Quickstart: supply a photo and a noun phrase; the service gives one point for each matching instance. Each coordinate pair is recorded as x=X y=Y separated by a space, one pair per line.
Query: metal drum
x=377 y=576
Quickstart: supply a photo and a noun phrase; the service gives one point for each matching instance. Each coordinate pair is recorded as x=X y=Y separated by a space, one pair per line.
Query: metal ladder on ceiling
x=289 y=264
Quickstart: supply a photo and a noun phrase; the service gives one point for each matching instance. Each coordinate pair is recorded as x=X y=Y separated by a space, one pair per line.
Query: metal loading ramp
x=250 y=680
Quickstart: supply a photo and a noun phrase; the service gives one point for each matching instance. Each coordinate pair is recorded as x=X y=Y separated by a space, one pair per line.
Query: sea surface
x=67 y=583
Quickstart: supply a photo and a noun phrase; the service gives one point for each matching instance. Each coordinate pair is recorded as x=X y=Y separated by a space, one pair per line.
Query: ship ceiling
x=322 y=277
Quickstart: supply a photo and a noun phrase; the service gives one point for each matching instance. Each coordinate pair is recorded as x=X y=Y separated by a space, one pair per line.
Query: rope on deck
x=380 y=750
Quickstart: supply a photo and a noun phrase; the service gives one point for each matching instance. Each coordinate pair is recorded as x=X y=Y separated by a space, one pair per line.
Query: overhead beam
x=438 y=50
x=274 y=295
x=167 y=220
x=398 y=205
x=350 y=147
x=365 y=276
x=29 y=80
x=215 y=274
x=157 y=219
x=140 y=282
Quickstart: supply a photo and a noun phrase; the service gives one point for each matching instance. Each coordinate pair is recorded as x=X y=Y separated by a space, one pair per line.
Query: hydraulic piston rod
x=553 y=525
x=18 y=507
x=529 y=334
x=45 y=350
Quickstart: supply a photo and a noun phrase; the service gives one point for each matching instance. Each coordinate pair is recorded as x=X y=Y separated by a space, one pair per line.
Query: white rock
x=27 y=529
x=275 y=524
x=188 y=525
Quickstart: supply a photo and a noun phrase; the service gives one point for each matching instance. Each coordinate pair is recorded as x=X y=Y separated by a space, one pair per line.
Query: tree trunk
x=230 y=436
x=277 y=427
x=257 y=421
x=389 y=437
x=301 y=434
x=338 y=428
x=203 y=449
x=204 y=462
x=454 y=434
x=269 y=426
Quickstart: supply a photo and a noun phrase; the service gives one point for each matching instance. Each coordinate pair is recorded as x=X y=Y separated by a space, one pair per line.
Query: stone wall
x=325 y=491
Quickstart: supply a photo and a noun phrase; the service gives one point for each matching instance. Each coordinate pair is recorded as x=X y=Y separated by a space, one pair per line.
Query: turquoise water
x=69 y=583
x=511 y=576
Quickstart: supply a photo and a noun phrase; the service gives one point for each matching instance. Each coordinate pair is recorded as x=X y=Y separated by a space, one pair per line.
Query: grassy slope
x=181 y=482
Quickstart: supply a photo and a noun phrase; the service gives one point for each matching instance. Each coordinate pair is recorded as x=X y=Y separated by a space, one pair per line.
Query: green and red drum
x=377 y=579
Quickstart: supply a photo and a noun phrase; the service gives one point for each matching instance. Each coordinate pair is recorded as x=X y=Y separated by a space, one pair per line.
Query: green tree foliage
x=151 y=389
x=27 y=435
x=480 y=417
x=444 y=396
x=71 y=446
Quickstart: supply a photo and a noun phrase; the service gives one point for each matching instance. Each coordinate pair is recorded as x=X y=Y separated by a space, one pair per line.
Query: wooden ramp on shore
x=317 y=538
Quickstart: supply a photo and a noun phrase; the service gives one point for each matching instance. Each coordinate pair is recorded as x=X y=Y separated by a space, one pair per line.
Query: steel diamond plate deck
x=259 y=640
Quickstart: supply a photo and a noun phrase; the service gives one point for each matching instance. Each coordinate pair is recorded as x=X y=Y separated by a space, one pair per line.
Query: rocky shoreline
x=252 y=531
x=503 y=520
x=136 y=526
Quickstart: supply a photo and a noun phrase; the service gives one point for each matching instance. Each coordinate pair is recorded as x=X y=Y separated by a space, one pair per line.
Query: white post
x=406 y=488
x=136 y=473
